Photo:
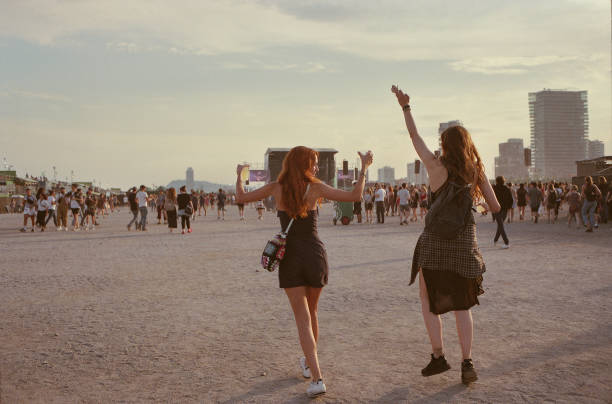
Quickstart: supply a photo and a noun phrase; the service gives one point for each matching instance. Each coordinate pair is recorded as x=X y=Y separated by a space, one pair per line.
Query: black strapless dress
x=305 y=262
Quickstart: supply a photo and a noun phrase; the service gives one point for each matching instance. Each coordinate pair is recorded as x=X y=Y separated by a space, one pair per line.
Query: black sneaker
x=436 y=366
x=468 y=374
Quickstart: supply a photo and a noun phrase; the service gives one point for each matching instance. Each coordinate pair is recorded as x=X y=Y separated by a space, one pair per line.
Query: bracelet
x=406 y=107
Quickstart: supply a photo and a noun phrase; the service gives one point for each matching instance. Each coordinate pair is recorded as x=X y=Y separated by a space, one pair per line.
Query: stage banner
x=258 y=176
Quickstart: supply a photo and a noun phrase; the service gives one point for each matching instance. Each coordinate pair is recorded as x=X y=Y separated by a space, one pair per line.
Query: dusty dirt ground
x=112 y=316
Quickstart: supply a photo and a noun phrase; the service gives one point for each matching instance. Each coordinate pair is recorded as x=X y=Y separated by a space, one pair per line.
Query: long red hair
x=294 y=177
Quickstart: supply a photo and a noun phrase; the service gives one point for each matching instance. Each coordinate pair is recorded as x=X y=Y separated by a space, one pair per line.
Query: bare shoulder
x=438 y=174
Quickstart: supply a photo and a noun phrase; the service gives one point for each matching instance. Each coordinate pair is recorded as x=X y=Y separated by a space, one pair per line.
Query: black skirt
x=172 y=218
x=448 y=291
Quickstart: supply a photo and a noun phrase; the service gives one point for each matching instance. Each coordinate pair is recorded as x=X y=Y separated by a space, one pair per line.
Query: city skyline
x=128 y=94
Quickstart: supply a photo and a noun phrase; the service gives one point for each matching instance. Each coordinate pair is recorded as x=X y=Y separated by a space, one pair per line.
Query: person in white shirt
x=51 y=201
x=75 y=205
x=142 y=198
x=379 y=198
x=29 y=209
x=42 y=207
x=404 y=204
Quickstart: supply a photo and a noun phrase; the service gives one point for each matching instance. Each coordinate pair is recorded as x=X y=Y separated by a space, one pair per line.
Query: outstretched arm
x=339 y=195
x=421 y=148
x=256 y=195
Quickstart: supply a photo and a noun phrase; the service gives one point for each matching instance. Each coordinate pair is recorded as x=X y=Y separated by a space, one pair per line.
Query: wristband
x=406 y=107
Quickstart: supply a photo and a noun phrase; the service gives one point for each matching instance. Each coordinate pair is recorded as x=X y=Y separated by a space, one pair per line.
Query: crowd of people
x=86 y=208
x=586 y=206
x=171 y=206
x=403 y=201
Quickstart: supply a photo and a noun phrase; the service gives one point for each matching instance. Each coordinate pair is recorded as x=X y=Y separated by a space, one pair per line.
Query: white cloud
x=506 y=65
x=387 y=30
x=36 y=96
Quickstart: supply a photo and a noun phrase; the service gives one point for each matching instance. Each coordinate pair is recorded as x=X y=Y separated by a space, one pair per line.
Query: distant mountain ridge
x=199 y=185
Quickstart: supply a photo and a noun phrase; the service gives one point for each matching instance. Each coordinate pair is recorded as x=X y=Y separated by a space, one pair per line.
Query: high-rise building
x=445 y=125
x=595 y=149
x=559 y=131
x=417 y=179
x=511 y=161
x=386 y=174
x=189 y=183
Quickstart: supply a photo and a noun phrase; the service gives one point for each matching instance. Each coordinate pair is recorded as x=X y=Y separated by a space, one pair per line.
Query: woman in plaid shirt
x=450 y=270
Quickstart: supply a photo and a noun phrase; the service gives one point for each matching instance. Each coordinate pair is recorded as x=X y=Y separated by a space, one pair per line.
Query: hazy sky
x=131 y=92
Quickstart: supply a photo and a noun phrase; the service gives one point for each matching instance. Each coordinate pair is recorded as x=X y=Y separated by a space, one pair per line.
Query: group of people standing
x=588 y=205
x=402 y=200
x=170 y=206
x=86 y=208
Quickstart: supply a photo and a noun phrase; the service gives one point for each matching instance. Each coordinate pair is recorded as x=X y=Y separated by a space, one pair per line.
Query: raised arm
x=256 y=195
x=339 y=195
x=426 y=156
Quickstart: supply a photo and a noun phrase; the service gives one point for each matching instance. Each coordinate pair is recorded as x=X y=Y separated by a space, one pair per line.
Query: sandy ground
x=112 y=316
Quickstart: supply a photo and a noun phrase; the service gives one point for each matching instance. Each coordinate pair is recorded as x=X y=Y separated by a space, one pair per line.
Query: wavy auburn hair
x=459 y=156
x=294 y=177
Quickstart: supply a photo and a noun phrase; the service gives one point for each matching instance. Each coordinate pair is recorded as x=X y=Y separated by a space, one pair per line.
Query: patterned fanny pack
x=274 y=251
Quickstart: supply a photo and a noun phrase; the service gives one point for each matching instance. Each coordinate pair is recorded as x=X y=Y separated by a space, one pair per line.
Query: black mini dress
x=305 y=261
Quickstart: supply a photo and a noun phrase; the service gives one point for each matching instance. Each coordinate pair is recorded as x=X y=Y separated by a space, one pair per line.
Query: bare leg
x=299 y=305
x=312 y=296
x=465 y=331
x=433 y=323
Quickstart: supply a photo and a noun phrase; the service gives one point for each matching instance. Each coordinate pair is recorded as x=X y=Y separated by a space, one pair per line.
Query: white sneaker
x=505 y=246
x=305 y=369
x=495 y=244
x=316 y=388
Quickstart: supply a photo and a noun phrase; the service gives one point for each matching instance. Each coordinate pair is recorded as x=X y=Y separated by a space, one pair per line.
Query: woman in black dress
x=303 y=272
x=450 y=270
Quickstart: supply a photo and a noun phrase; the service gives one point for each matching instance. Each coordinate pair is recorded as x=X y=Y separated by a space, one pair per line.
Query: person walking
x=195 y=202
x=403 y=195
x=603 y=200
x=142 y=199
x=161 y=211
x=551 y=202
x=51 y=213
x=380 y=195
x=90 y=215
x=41 y=209
x=590 y=193
x=304 y=270
x=76 y=198
x=133 y=205
x=221 y=197
x=573 y=201
x=170 y=208
x=185 y=209
x=62 y=209
x=368 y=200
x=512 y=189
x=29 y=210
x=504 y=197
x=521 y=200
x=535 y=198
x=450 y=269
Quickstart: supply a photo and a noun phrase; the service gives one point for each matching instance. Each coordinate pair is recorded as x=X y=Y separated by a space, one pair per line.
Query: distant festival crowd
x=587 y=206
x=87 y=208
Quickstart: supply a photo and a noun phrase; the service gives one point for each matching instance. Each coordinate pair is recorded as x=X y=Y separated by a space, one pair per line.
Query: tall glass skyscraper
x=559 y=132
